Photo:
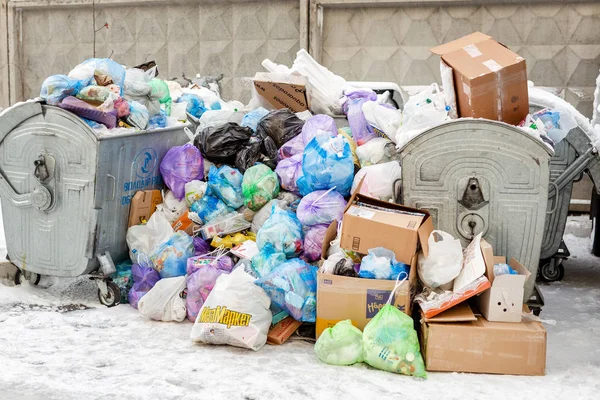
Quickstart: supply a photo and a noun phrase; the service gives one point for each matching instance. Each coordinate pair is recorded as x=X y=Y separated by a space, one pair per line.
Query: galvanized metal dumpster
x=481 y=176
x=66 y=190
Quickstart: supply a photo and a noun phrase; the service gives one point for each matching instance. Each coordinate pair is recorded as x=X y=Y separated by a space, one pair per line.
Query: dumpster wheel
x=112 y=296
x=22 y=276
x=552 y=270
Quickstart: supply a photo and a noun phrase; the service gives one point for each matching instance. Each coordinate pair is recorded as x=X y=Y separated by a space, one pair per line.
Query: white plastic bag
x=194 y=191
x=383 y=118
x=142 y=239
x=473 y=266
x=372 y=152
x=236 y=313
x=171 y=207
x=379 y=180
x=179 y=111
x=164 y=301
x=444 y=261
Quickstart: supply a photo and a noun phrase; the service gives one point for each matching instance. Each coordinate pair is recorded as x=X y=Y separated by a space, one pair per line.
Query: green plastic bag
x=391 y=344
x=160 y=91
x=340 y=345
x=259 y=186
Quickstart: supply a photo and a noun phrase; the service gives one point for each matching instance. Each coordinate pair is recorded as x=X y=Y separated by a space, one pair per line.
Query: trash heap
x=283 y=214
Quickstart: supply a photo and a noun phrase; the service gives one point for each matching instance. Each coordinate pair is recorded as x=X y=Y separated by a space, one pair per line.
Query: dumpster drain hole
x=499 y=303
x=505 y=310
x=473 y=187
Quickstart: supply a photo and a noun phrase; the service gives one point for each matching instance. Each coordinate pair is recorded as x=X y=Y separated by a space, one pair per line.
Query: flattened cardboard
x=359 y=300
x=143 y=205
x=282 y=331
x=460 y=313
x=484 y=347
x=490 y=81
x=450 y=299
x=282 y=93
x=370 y=228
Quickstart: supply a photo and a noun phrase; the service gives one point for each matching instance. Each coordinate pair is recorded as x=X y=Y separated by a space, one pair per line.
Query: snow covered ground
x=59 y=343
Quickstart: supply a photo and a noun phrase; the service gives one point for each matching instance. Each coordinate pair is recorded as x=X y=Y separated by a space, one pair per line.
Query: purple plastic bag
x=291 y=148
x=362 y=131
x=319 y=122
x=182 y=164
x=288 y=171
x=202 y=275
x=144 y=279
x=200 y=246
x=85 y=110
x=321 y=207
x=313 y=242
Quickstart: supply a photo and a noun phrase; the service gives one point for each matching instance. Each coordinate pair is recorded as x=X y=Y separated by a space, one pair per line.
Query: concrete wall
x=360 y=40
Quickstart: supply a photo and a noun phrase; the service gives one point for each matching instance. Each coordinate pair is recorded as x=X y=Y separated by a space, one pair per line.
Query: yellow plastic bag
x=230 y=241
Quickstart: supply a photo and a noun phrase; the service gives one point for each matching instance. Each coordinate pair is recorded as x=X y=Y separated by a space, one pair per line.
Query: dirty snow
x=53 y=347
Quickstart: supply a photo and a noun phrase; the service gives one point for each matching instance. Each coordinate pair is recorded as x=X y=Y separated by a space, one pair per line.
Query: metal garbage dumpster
x=480 y=176
x=66 y=190
x=573 y=156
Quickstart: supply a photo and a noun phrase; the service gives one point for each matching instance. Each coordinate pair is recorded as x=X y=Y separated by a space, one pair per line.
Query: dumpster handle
x=555 y=199
x=40 y=197
x=114 y=186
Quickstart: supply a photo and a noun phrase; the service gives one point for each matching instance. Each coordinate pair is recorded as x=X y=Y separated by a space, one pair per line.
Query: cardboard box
x=282 y=91
x=282 y=331
x=503 y=302
x=484 y=347
x=370 y=223
x=490 y=81
x=357 y=299
x=184 y=223
x=143 y=205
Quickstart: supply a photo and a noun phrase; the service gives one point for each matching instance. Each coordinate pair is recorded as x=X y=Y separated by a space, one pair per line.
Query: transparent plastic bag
x=381 y=263
x=142 y=239
x=267 y=260
x=164 y=301
x=252 y=118
x=444 y=261
x=321 y=207
x=194 y=191
x=171 y=207
x=557 y=123
x=181 y=164
x=292 y=286
x=102 y=67
x=313 y=242
x=223 y=225
x=209 y=208
x=235 y=313
x=170 y=257
x=340 y=345
x=362 y=131
x=195 y=105
x=383 y=119
x=327 y=163
x=280 y=125
x=374 y=151
x=379 y=180
x=316 y=124
x=339 y=264
x=289 y=170
x=226 y=183
x=263 y=215
x=93 y=93
x=260 y=185
x=138 y=115
x=283 y=231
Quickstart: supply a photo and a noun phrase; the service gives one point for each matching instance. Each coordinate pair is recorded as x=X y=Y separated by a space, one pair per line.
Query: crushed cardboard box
x=490 y=81
x=282 y=91
x=143 y=205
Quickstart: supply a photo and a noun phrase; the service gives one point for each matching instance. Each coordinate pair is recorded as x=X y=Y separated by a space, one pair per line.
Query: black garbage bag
x=280 y=125
x=248 y=155
x=221 y=144
x=269 y=151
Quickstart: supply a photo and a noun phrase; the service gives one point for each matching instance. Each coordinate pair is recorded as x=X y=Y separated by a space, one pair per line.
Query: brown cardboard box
x=378 y=224
x=184 y=223
x=503 y=302
x=490 y=81
x=344 y=297
x=282 y=331
x=484 y=347
x=282 y=91
x=143 y=205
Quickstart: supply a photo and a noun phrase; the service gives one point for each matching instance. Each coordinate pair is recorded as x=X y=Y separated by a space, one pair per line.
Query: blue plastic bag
x=283 y=232
x=209 y=208
x=293 y=287
x=226 y=183
x=381 y=263
x=195 y=105
x=267 y=260
x=362 y=131
x=57 y=87
x=138 y=115
x=316 y=124
x=158 y=120
x=321 y=207
x=108 y=67
x=170 y=258
x=181 y=164
x=326 y=164
x=252 y=118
